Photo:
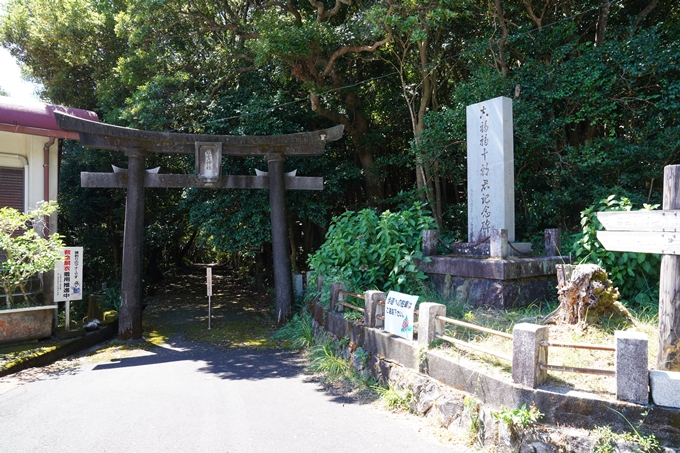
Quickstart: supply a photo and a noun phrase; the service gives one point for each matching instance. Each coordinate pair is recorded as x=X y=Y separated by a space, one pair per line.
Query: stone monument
x=491 y=175
x=491 y=268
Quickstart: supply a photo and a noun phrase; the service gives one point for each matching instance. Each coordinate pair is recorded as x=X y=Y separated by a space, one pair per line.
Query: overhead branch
x=648 y=9
x=504 y=37
x=538 y=20
x=329 y=114
x=288 y=7
x=209 y=24
x=355 y=49
x=235 y=73
x=322 y=14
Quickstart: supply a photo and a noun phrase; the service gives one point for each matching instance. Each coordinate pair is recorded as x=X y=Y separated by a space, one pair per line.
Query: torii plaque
x=208 y=150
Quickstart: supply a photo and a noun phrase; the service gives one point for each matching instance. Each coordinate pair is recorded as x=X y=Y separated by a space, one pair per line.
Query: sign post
x=68 y=279
x=399 y=310
x=209 y=284
x=655 y=232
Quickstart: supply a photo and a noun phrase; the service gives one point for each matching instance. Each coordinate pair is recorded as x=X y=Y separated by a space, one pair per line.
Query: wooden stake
x=669 y=286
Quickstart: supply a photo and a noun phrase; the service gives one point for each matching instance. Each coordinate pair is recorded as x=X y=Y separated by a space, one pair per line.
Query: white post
x=209 y=284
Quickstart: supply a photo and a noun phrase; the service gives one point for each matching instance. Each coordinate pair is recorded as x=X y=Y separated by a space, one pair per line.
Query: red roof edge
x=36 y=118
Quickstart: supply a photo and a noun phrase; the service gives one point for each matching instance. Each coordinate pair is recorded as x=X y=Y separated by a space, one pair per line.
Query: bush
x=367 y=250
x=635 y=274
x=25 y=252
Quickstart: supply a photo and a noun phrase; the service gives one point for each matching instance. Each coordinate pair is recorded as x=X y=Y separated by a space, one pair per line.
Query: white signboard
x=208 y=272
x=399 y=308
x=68 y=275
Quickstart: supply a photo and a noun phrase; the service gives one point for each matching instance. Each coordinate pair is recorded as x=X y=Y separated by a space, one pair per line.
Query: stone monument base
x=518 y=249
x=500 y=283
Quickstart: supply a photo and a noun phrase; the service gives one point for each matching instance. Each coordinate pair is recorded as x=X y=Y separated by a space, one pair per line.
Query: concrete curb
x=65 y=348
x=559 y=406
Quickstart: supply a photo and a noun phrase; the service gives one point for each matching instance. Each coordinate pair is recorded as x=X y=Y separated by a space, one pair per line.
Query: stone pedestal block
x=373 y=309
x=498 y=248
x=553 y=241
x=632 y=374
x=528 y=354
x=430 y=242
x=665 y=387
x=336 y=296
x=428 y=324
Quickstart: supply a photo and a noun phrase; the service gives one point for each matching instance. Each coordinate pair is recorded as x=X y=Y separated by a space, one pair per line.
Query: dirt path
x=179 y=309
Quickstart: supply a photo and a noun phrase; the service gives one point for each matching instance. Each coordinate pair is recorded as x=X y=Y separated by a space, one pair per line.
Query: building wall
x=18 y=149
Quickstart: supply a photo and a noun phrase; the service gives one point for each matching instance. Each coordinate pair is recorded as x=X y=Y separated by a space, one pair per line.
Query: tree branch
x=537 y=20
x=322 y=14
x=356 y=49
x=501 y=43
x=648 y=9
x=317 y=108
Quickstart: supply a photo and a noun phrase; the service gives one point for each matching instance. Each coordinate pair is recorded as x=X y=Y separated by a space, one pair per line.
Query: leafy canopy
x=26 y=252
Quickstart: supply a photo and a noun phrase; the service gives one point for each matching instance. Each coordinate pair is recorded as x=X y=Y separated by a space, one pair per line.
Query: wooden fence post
x=669 y=286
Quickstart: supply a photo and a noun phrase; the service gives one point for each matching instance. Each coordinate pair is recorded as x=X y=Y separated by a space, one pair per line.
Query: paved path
x=198 y=399
x=193 y=396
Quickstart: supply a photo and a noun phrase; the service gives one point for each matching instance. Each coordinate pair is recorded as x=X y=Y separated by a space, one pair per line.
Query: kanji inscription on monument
x=491 y=176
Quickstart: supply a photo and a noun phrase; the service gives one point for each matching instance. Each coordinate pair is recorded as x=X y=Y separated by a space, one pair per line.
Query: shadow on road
x=227 y=364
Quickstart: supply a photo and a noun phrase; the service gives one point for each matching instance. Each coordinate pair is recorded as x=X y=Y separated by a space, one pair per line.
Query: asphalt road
x=196 y=398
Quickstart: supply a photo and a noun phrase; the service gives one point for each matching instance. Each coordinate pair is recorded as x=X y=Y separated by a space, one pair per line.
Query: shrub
x=368 y=250
x=635 y=274
x=25 y=252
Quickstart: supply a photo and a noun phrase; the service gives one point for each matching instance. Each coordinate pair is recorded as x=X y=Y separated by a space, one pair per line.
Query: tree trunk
x=602 y=22
x=356 y=127
x=669 y=286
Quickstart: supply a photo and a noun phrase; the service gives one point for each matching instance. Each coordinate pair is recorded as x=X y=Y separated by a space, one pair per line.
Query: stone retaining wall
x=440 y=381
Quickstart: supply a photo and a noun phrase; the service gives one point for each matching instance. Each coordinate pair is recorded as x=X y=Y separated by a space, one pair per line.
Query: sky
x=10 y=75
x=10 y=78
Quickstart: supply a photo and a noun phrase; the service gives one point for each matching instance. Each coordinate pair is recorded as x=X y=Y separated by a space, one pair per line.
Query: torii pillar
x=208 y=150
x=130 y=319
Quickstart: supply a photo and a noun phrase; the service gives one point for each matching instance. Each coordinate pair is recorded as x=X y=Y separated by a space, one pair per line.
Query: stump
x=586 y=293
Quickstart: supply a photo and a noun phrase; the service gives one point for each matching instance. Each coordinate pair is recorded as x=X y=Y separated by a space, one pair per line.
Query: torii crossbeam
x=208 y=150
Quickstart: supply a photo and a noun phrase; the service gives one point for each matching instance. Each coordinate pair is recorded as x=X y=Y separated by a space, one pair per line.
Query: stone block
x=336 y=296
x=336 y=324
x=528 y=354
x=373 y=309
x=388 y=345
x=553 y=241
x=26 y=324
x=298 y=287
x=665 y=387
x=632 y=374
x=430 y=242
x=498 y=247
x=428 y=324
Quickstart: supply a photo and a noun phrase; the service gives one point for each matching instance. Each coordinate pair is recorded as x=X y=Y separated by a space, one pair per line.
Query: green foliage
x=635 y=274
x=393 y=398
x=588 y=116
x=519 y=421
x=298 y=333
x=607 y=438
x=363 y=355
x=475 y=432
x=111 y=298
x=25 y=251
x=326 y=360
x=368 y=250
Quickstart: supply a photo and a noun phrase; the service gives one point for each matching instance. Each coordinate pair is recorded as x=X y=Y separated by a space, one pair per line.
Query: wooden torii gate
x=208 y=150
x=655 y=232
